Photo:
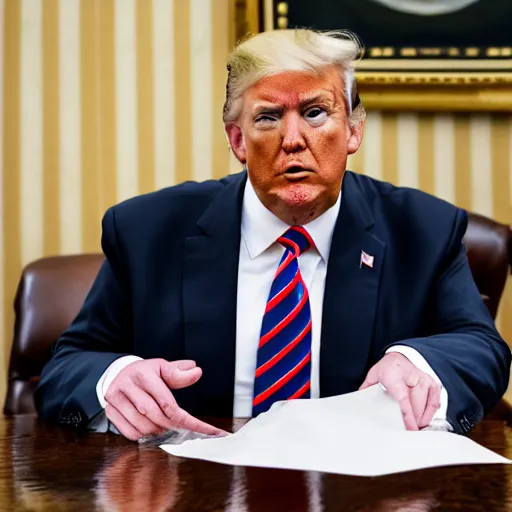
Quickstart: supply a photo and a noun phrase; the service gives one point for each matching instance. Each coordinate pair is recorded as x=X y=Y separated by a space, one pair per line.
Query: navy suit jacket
x=168 y=289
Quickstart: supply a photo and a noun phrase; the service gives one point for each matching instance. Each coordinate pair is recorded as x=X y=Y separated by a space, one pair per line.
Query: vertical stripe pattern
x=126 y=98
x=407 y=127
x=218 y=72
x=389 y=155
x=89 y=116
x=70 y=204
x=51 y=129
x=101 y=100
x=107 y=135
x=144 y=71
x=201 y=87
x=2 y=238
x=481 y=172
x=372 y=146
x=31 y=154
x=426 y=153
x=163 y=94
x=11 y=166
x=444 y=157
x=182 y=93
x=463 y=167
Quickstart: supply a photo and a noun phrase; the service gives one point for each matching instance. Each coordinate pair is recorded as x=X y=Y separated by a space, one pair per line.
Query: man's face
x=293 y=134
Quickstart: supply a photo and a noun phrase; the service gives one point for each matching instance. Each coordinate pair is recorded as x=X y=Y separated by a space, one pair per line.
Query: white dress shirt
x=259 y=258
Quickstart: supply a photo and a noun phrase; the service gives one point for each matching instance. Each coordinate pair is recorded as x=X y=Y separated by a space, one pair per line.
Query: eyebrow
x=279 y=107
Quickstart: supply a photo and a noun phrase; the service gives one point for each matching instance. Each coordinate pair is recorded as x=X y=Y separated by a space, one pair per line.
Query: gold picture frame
x=483 y=90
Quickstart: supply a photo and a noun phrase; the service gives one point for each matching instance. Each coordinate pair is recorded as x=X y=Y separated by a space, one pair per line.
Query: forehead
x=291 y=87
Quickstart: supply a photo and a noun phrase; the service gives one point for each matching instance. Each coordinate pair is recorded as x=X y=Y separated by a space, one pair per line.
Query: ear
x=236 y=141
x=355 y=137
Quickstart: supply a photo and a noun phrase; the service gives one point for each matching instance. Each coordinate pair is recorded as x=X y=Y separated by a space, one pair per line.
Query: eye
x=315 y=114
x=266 y=118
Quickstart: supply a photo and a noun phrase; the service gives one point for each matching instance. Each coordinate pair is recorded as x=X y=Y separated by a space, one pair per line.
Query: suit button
x=75 y=419
x=465 y=425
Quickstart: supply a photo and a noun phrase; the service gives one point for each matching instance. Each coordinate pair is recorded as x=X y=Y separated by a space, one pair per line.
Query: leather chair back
x=489 y=249
x=50 y=294
x=52 y=290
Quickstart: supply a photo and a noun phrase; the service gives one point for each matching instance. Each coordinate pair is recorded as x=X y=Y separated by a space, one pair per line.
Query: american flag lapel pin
x=366 y=260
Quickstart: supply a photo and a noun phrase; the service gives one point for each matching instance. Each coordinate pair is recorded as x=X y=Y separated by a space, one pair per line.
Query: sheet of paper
x=358 y=434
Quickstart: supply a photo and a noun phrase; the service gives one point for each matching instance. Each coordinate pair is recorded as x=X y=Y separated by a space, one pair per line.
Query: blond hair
x=302 y=50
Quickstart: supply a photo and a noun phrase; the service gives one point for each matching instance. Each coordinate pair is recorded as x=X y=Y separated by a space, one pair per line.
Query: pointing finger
x=186 y=421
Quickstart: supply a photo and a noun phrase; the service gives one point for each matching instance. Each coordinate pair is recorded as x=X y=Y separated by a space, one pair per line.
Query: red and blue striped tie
x=283 y=369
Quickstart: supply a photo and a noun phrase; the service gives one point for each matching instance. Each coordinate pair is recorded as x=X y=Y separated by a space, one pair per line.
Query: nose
x=293 y=139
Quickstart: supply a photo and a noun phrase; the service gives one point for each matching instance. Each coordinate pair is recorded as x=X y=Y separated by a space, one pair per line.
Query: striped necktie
x=283 y=368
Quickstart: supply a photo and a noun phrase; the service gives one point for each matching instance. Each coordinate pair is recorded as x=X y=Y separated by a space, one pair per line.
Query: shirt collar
x=261 y=228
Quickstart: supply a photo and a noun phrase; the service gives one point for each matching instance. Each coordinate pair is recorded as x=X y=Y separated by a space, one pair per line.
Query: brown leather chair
x=50 y=294
x=489 y=249
x=52 y=290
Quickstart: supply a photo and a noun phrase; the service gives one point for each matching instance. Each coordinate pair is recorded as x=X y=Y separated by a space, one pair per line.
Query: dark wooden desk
x=44 y=467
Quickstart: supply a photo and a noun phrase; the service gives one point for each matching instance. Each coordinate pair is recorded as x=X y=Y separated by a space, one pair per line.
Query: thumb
x=372 y=378
x=180 y=374
x=183 y=364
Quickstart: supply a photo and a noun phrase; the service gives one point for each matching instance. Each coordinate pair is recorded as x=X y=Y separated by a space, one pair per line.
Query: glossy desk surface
x=45 y=467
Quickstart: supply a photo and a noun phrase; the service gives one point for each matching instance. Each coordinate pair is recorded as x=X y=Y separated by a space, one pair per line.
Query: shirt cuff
x=439 y=421
x=110 y=374
x=100 y=424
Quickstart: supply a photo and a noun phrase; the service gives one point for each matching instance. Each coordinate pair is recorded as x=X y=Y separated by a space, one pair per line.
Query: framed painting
x=419 y=54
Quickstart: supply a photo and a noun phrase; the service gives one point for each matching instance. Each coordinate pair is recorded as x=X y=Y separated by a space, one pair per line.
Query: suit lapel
x=351 y=293
x=210 y=275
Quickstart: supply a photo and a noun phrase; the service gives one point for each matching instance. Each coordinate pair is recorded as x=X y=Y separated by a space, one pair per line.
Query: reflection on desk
x=43 y=467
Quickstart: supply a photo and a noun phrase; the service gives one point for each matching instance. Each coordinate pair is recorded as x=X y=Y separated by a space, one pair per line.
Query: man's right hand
x=140 y=401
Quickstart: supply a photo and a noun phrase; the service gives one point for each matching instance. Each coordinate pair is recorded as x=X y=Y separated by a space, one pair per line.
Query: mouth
x=296 y=173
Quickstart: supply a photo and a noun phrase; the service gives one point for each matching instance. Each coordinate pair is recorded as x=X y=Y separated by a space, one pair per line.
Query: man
x=290 y=280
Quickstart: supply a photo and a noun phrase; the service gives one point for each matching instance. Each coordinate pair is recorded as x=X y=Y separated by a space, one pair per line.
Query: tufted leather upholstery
x=52 y=290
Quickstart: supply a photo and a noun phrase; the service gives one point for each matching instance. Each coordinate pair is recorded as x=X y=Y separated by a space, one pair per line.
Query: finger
x=408 y=413
x=371 y=379
x=120 y=422
x=419 y=395
x=156 y=388
x=398 y=389
x=186 y=421
x=152 y=383
x=142 y=424
x=183 y=364
x=433 y=404
x=177 y=378
x=147 y=406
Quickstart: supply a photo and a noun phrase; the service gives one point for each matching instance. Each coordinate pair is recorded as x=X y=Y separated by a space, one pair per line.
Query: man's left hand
x=418 y=394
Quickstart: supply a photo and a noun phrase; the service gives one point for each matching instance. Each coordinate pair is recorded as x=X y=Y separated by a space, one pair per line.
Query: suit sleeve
x=465 y=349
x=99 y=335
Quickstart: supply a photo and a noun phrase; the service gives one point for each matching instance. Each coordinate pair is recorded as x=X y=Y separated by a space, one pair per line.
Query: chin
x=298 y=195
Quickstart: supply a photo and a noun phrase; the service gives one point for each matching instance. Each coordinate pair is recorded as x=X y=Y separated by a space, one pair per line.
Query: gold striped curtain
x=101 y=100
